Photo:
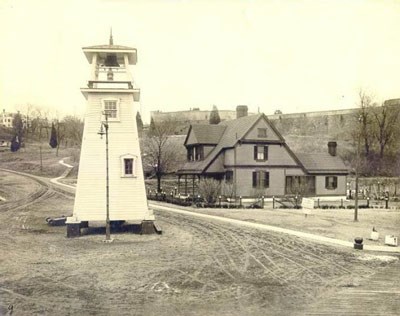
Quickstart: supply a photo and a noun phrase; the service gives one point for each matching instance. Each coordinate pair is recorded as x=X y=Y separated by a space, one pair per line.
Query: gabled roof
x=322 y=163
x=233 y=132
x=206 y=134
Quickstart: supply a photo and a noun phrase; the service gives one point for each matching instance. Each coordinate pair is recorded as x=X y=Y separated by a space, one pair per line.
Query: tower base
x=146 y=227
x=73 y=230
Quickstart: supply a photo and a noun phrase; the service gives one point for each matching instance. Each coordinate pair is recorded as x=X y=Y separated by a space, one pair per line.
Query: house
x=6 y=119
x=251 y=154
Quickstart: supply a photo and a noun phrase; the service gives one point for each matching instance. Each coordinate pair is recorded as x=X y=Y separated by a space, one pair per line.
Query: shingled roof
x=206 y=134
x=233 y=132
x=322 y=163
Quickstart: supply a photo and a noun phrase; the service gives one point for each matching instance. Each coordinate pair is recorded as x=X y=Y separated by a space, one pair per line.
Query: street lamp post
x=101 y=133
x=357 y=175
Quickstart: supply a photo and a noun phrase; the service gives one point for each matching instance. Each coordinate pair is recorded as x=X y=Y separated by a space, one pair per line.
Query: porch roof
x=322 y=163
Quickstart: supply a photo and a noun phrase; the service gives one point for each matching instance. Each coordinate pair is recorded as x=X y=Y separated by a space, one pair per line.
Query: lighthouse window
x=111 y=108
x=128 y=166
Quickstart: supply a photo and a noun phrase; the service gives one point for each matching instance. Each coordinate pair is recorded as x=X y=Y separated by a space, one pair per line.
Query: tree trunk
x=382 y=150
x=158 y=175
x=366 y=146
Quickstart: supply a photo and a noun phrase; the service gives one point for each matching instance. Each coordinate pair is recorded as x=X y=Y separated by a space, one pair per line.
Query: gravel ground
x=196 y=267
x=336 y=223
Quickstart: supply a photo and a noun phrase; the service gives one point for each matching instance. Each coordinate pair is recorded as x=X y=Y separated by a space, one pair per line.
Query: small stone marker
x=391 y=240
x=307 y=205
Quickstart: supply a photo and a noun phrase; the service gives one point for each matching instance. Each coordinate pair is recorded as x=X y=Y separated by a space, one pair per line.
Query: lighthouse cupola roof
x=118 y=51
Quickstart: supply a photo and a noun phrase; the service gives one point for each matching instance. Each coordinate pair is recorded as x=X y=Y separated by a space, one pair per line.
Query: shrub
x=209 y=189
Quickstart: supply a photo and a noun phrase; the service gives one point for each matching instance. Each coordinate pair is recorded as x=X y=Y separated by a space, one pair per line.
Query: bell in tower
x=111 y=61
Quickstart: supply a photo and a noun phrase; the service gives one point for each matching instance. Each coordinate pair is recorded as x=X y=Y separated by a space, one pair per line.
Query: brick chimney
x=332 y=148
x=241 y=110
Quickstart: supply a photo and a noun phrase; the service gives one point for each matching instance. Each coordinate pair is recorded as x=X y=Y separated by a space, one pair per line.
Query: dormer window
x=195 y=153
x=111 y=108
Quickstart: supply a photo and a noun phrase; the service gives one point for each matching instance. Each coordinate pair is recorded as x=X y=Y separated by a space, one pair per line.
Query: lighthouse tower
x=110 y=190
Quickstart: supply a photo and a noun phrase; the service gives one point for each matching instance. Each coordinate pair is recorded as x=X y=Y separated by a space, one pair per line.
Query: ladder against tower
x=111 y=96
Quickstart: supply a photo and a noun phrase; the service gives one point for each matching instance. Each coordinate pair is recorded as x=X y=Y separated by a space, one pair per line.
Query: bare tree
x=73 y=130
x=159 y=151
x=386 y=125
x=364 y=116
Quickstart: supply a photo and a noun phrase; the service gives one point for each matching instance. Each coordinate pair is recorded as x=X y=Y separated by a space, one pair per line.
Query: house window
x=260 y=153
x=331 y=183
x=303 y=185
x=199 y=154
x=111 y=107
x=262 y=132
x=260 y=179
x=195 y=153
x=229 y=176
x=128 y=166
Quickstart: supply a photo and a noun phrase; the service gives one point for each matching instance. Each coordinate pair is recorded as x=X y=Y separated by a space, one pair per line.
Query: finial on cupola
x=111 y=37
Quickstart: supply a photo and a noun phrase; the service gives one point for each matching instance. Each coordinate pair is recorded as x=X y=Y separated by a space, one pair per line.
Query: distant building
x=6 y=118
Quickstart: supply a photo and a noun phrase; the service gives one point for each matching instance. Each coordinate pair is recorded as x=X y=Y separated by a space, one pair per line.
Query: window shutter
x=266 y=179
x=254 y=179
x=265 y=152
x=255 y=152
x=335 y=182
x=326 y=182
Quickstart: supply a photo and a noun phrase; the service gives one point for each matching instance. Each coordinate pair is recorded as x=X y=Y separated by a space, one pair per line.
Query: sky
x=295 y=56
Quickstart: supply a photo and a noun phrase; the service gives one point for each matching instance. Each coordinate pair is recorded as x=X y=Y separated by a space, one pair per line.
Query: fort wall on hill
x=308 y=131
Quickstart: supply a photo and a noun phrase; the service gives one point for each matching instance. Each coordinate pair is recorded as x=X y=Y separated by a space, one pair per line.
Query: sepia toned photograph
x=199 y=157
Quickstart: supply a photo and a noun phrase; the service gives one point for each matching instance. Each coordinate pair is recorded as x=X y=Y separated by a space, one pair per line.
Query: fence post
x=219 y=201
x=318 y=203
x=341 y=203
x=262 y=202
x=273 y=202
x=240 y=201
x=368 y=202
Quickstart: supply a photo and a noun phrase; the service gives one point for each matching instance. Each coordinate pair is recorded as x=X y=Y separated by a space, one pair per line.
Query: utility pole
x=41 y=160
x=357 y=171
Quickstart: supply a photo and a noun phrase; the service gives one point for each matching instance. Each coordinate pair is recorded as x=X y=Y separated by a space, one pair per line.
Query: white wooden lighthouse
x=111 y=98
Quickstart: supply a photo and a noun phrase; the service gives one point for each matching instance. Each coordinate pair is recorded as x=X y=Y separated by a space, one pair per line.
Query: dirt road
x=197 y=267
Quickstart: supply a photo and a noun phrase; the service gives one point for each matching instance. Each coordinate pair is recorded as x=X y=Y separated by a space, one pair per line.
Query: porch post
x=186 y=184
x=179 y=183
x=193 y=184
